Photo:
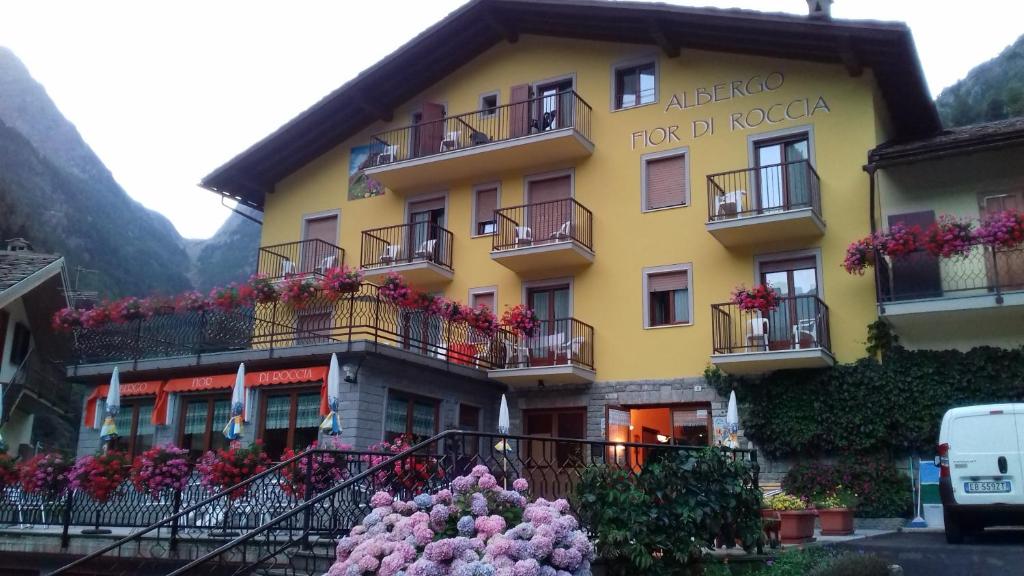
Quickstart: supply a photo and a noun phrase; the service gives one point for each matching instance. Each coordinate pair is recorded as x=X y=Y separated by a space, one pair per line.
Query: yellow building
x=620 y=168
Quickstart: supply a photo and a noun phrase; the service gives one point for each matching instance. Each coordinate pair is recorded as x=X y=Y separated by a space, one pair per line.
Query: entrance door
x=318 y=255
x=554 y=106
x=426 y=217
x=796 y=322
x=551 y=466
x=551 y=303
x=1007 y=269
x=782 y=186
x=548 y=213
x=691 y=426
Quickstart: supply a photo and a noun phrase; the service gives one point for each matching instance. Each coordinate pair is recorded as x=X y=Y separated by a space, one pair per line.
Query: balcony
x=549 y=130
x=561 y=352
x=421 y=252
x=765 y=204
x=978 y=294
x=307 y=257
x=794 y=335
x=544 y=237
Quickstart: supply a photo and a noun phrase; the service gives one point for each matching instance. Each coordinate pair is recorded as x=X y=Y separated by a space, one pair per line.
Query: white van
x=981 y=470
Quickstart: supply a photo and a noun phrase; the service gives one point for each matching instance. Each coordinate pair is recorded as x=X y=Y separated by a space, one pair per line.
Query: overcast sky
x=164 y=92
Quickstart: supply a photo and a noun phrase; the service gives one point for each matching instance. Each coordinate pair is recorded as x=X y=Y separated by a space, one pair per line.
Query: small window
x=635 y=86
x=412 y=416
x=135 y=426
x=668 y=298
x=201 y=421
x=489 y=104
x=483 y=218
x=665 y=181
x=469 y=418
x=483 y=299
x=290 y=420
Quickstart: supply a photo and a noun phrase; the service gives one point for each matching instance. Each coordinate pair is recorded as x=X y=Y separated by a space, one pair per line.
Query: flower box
x=797 y=526
x=836 y=521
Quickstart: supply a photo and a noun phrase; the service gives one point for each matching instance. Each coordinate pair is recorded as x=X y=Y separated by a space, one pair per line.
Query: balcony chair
x=390 y=254
x=287 y=268
x=807 y=327
x=426 y=250
x=450 y=142
x=571 y=349
x=325 y=264
x=731 y=203
x=524 y=236
x=517 y=354
x=25 y=502
x=563 y=233
x=553 y=343
x=757 y=333
x=388 y=156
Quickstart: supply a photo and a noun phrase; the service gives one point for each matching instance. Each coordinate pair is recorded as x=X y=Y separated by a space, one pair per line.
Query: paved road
x=996 y=552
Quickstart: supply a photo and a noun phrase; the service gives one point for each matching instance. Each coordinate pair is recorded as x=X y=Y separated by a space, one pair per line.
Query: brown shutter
x=666 y=182
x=915 y=275
x=788 y=264
x=485 y=299
x=314 y=253
x=426 y=205
x=519 y=110
x=1008 y=268
x=486 y=204
x=325 y=229
x=667 y=281
x=546 y=219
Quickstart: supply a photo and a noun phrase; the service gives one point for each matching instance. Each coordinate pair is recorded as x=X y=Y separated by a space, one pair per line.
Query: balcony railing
x=921 y=275
x=799 y=322
x=405 y=244
x=763 y=190
x=543 y=223
x=561 y=342
x=299 y=258
x=498 y=124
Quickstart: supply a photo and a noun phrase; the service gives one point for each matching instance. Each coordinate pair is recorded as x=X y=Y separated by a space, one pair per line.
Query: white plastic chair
x=388 y=156
x=731 y=203
x=516 y=355
x=287 y=267
x=450 y=142
x=426 y=250
x=390 y=254
x=564 y=232
x=807 y=326
x=757 y=333
x=524 y=235
x=325 y=264
x=571 y=349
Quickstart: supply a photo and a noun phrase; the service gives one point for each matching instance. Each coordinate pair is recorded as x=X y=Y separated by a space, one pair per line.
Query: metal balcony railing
x=406 y=243
x=921 y=275
x=299 y=258
x=799 y=322
x=543 y=223
x=463 y=131
x=763 y=190
x=560 y=342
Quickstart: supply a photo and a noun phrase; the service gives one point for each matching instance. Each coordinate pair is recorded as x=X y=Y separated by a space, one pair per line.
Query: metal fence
x=564 y=341
x=300 y=540
x=495 y=124
x=763 y=190
x=798 y=322
x=307 y=257
x=543 y=223
x=405 y=244
x=921 y=275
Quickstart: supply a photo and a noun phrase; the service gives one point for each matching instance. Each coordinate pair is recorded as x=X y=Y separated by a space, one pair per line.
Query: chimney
x=819 y=9
x=19 y=245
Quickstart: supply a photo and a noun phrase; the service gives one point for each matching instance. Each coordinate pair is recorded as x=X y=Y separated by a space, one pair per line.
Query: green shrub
x=852 y=565
x=656 y=522
x=821 y=561
x=882 y=489
x=795 y=562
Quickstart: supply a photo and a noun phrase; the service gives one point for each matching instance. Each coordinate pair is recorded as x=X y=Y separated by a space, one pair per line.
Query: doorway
x=548 y=213
x=796 y=323
x=426 y=219
x=668 y=424
x=318 y=256
x=553 y=306
x=783 y=182
x=554 y=107
x=551 y=466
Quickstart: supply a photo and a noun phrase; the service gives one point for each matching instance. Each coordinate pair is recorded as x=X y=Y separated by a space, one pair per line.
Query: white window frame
x=472 y=214
x=484 y=290
x=760 y=259
x=651 y=270
x=635 y=62
x=754 y=139
x=527 y=285
x=645 y=158
x=318 y=216
x=497 y=102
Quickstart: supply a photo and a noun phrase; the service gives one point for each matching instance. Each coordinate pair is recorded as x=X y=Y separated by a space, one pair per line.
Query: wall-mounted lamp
x=662 y=438
x=350 y=373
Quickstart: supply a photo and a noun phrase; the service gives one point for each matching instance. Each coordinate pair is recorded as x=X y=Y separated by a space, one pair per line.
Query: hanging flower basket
x=192 y=302
x=762 y=297
x=394 y=289
x=159 y=469
x=453 y=311
x=66 y=319
x=340 y=281
x=99 y=476
x=263 y=290
x=45 y=474
x=482 y=320
x=522 y=320
x=126 y=310
x=328 y=469
x=225 y=468
x=900 y=240
x=859 y=255
x=1002 y=230
x=297 y=292
x=949 y=237
x=226 y=298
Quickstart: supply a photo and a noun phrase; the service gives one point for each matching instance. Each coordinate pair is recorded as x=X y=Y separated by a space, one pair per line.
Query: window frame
x=636 y=62
x=211 y=400
x=474 y=292
x=473 y=224
x=489 y=111
x=293 y=393
x=135 y=405
x=409 y=411
x=661 y=155
x=655 y=270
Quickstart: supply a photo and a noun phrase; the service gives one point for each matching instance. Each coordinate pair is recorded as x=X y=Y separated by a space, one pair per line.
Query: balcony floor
x=419 y=273
x=747 y=363
x=544 y=257
x=530 y=376
x=523 y=153
x=959 y=321
x=767 y=227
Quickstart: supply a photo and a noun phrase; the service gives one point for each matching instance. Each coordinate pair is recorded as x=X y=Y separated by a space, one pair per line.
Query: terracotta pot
x=797 y=526
x=836 y=521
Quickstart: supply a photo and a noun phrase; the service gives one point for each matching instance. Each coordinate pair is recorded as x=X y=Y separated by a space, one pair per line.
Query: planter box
x=836 y=521
x=797 y=526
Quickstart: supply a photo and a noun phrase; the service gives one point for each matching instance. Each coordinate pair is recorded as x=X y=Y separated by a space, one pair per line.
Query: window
x=290 y=420
x=635 y=85
x=485 y=202
x=489 y=104
x=135 y=425
x=20 y=343
x=665 y=180
x=667 y=296
x=202 y=420
x=483 y=298
x=469 y=421
x=783 y=174
x=406 y=414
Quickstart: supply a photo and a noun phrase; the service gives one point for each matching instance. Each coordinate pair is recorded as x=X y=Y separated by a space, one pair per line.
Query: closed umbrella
x=332 y=423
x=503 y=427
x=233 y=430
x=503 y=420
x=732 y=422
x=108 y=431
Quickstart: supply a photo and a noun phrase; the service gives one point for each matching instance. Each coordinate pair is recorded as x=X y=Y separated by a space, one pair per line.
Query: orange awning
x=201 y=383
x=149 y=388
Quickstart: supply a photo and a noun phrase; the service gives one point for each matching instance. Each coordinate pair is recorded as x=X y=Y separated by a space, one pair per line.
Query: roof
x=16 y=267
x=959 y=140
x=886 y=48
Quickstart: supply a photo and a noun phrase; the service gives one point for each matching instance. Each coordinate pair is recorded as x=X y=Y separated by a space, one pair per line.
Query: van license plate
x=986 y=487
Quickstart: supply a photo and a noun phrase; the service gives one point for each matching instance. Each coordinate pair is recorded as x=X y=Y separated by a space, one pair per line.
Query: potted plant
x=859 y=255
x=160 y=469
x=835 y=511
x=298 y=292
x=949 y=237
x=340 y=281
x=263 y=289
x=762 y=297
x=797 y=521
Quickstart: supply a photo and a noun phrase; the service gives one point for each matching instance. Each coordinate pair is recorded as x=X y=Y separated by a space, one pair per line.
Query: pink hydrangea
x=381 y=499
x=520 y=485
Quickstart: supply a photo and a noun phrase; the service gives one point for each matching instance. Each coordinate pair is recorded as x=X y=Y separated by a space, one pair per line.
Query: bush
x=852 y=565
x=818 y=561
x=883 y=490
x=656 y=522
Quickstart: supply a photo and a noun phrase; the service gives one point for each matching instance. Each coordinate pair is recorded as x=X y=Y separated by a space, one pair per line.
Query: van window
x=984 y=433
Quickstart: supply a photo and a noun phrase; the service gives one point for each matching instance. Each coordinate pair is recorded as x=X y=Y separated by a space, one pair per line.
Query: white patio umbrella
x=108 y=431
x=732 y=422
x=503 y=421
x=332 y=423
x=233 y=430
x=503 y=428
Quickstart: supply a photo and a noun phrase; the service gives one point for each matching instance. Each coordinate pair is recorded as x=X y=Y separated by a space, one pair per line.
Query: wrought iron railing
x=543 y=223
x=300 y=540
x=763 y=190
x=564 y=110
x=405 y=244
x=921 y=275
x=560 y=342
x=306 y=257
x=798 y=322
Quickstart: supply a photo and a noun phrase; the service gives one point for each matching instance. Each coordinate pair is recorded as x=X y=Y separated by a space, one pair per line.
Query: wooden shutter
x=486 y=204
x=325 y=229
x=667 y=281
x=426 y=205
x=314 y=253
x=484 y=299
x=546 y=219
x=915 y=275
x=1008 y=270
x=519 y=110
x=431 y=128
x=666 y=182
x=807 y=262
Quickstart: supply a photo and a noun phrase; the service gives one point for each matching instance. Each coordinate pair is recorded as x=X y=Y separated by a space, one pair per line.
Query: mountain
x=57 y=193
x=993 y=90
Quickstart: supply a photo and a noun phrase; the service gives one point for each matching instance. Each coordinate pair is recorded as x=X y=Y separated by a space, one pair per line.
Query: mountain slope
x=993 y=90
x=228 y=256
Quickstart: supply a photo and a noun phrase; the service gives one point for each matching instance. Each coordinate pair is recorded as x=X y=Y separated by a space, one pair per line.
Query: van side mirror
x=938 y=461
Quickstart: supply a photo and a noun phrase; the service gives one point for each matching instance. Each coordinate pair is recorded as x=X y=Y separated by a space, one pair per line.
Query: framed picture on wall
x=359 y=184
